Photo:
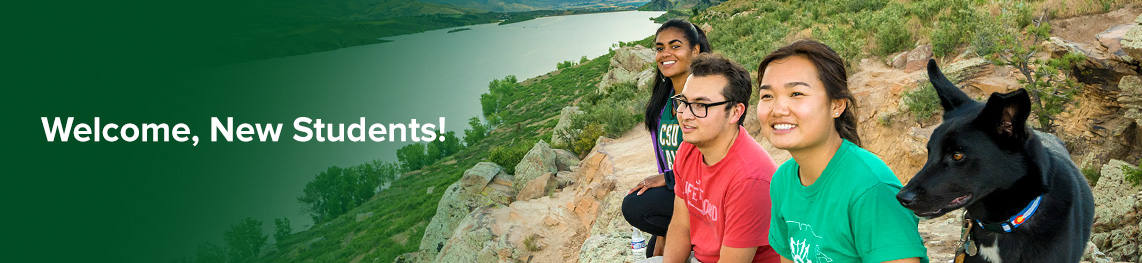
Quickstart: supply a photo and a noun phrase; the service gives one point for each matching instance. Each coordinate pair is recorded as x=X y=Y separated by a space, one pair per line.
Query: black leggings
x=650 y=212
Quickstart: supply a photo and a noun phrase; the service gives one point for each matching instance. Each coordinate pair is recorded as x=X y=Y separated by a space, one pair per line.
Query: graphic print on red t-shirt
x=728 y=202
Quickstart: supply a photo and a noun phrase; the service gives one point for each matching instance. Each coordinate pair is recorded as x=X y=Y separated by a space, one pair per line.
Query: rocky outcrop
x=630 y=65
x=1100 y=66
x=967 y=69
x=1131 y=97
x=538 y=161
x=559 y=135
x=1132 y=41
x=538 y=187
x=1117 y=215
x=913 y=60
x=485 y=184
x=549 y=228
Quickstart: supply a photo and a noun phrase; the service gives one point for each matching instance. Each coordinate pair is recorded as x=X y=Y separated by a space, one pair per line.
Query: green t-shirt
x=850 y=214
x=669 y=136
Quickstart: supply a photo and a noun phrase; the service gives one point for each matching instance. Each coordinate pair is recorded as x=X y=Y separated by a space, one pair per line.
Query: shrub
x=1133 y=173
x=922 y=102
x=1092 y=174
x=586 y=139
x=529 y=243
x=509 y=157
x=945 y=37
x=564 y=64
x=892 y=37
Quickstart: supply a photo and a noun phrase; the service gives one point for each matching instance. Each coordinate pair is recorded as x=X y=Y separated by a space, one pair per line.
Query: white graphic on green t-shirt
x=804 y=251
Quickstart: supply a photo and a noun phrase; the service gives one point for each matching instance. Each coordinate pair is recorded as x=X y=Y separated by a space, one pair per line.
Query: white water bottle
x=637 y=245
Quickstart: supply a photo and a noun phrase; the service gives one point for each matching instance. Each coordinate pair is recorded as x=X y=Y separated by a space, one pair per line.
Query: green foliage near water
x=337 y=190
x=282 y=230
x=245 y=239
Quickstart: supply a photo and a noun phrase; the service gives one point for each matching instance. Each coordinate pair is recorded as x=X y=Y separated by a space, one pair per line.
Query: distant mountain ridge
x=533 y=5
x=667 y=5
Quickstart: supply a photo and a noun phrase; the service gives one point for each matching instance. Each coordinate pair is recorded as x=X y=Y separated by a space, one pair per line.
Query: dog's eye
x=957 y=156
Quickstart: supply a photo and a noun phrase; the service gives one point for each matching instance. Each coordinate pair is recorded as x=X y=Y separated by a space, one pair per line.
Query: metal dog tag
x=970 y=247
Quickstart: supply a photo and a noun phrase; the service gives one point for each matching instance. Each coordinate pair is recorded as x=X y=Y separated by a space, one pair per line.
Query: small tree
x=210 y=253
x=282 y=230
x=1049 y=82
x=476 y=132
x=412 y=157
x=245 y=239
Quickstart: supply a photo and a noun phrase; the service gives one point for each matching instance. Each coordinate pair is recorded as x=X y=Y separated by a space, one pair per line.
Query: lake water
x=421 y=76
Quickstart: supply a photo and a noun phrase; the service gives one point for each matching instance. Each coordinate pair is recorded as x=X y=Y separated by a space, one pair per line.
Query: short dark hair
x=831 y=71
x=738 y=88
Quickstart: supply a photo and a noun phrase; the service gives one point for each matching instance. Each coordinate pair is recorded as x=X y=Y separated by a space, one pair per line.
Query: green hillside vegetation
x=355 y=224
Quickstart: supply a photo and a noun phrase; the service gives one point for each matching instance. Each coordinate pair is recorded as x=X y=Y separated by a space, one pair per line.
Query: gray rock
x=485 y=184
x=565 y=160
x=1111 y=39
x=611 y=247
x=1117 y=215
x=1100 y=66
x=560 y=135
x=917 y=59
x=479 y=176
x=968 y=69
x=630 y=65
x=1130 y=97
x=1132 y=41
x=539 y=187
x=539 y=160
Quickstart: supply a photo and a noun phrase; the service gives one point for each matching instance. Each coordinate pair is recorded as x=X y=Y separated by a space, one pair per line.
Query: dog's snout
x=907 y=197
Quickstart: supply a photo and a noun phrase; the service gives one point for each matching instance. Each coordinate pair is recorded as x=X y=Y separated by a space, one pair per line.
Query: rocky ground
x=557 y=208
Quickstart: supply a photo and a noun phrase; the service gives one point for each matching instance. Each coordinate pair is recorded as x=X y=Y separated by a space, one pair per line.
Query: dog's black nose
x=906 y=198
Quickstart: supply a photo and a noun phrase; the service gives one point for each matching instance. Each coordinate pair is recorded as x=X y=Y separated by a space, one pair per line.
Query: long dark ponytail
x=663 y=86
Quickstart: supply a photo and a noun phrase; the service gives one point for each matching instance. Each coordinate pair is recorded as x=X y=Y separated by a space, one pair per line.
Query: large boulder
x=538 y=161
x=1117 y=214
x=1100 y=67
x=538 y=187
x=917 y=59
x=1132 y=41
x=1111 y=39
x=630 y=65
x=559 y=135
x=485 y=184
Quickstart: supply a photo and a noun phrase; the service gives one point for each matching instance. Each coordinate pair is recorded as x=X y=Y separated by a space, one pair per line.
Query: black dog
x=1026 y=200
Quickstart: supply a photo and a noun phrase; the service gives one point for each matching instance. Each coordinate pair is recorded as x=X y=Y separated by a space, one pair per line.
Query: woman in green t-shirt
x=834 y=201
x=649 y=206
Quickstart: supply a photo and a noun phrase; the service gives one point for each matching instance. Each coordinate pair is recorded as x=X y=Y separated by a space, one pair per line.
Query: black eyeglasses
x=699 y=110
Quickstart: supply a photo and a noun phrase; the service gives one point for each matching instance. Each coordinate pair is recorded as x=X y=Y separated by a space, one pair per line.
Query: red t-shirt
x=728 y=202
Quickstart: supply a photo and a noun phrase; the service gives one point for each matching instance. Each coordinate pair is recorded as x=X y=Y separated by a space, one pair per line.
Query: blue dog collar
x=1014 y=221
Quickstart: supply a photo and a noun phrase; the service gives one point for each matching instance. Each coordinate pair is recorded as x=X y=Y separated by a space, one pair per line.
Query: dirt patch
x=1084 y=28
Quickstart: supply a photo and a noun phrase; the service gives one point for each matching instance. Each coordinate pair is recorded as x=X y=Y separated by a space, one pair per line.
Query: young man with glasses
x=721 y=211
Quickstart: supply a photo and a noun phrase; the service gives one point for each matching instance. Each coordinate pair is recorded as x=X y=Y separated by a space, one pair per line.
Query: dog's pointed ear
x=1005 y=115
x=951 y=97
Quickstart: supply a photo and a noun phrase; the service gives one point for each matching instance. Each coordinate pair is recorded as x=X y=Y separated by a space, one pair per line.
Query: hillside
x=473 y=211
